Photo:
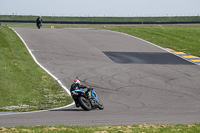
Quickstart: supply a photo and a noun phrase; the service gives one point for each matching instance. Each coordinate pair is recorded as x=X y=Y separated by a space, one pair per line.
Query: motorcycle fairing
x=80 y=91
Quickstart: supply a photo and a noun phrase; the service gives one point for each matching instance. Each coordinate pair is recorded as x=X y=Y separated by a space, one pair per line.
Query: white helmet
x=77 y=81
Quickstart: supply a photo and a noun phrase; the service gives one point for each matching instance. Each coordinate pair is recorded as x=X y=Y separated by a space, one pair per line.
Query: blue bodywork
x=93 y=93
x=80 y=91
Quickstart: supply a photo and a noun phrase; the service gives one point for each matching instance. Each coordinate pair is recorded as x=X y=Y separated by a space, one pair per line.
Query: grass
x=24 y=86
x=59 y=26
x=184 y=38
x=107 y=129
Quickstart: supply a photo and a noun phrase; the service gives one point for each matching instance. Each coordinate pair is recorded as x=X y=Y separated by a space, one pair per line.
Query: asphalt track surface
x=137 y=81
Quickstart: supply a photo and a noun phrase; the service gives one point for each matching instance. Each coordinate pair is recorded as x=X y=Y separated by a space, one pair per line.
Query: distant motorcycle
x=39 y=22
x=86 y=102
x=39 y=25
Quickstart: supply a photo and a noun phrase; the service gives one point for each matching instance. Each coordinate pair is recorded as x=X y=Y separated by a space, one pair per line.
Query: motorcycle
x=86 y=101
x=39 y=25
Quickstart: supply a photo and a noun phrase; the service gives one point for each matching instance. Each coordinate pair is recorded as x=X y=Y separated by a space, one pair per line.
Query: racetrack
x=137 y=81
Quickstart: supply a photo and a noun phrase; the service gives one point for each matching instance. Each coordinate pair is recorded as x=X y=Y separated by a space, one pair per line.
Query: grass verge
x=184 y=38
x=107 y=129
x=24 y=86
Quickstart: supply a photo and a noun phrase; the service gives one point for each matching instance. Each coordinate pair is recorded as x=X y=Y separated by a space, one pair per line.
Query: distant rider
x=39 y=22
x=77 y=85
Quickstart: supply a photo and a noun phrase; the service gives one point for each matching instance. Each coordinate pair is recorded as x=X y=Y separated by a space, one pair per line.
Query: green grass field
x=184 y=38
x=195 y=128
x=24 y=86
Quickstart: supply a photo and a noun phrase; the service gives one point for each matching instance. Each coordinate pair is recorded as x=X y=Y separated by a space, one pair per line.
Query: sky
x=113 y=8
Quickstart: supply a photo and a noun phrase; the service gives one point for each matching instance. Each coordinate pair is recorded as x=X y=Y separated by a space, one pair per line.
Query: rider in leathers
x=76 y=85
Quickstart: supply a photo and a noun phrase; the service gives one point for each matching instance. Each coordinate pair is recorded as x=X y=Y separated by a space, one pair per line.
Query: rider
x=77 y=85
x=39 y=22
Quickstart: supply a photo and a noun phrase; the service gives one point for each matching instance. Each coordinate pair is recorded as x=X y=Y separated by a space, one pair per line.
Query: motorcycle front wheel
x=101 y=107
x=84 y=103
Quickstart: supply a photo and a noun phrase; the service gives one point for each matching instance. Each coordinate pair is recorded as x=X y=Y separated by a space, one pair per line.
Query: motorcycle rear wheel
x=84 y=103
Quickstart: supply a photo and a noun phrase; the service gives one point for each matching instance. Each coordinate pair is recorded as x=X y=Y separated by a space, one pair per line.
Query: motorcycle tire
x=84 y=103
x=101 y=107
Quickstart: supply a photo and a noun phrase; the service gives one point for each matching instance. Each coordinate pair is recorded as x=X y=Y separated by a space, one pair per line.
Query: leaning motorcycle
x=87 y=101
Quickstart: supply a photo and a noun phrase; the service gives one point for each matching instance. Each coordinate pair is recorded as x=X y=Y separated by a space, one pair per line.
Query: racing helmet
x=76 y=81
